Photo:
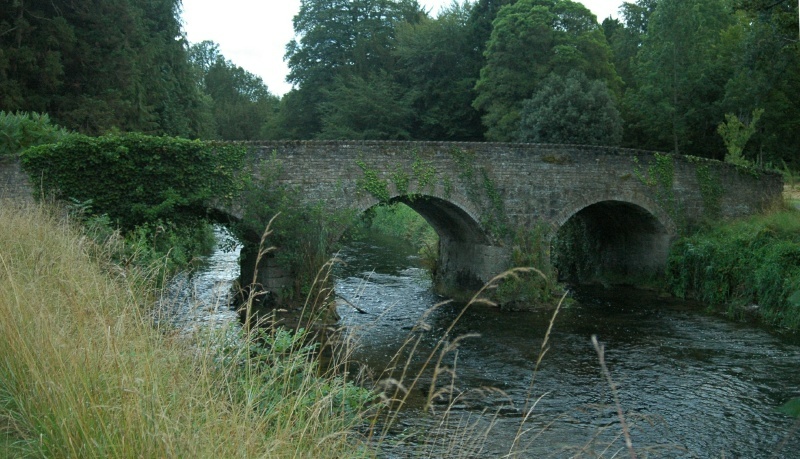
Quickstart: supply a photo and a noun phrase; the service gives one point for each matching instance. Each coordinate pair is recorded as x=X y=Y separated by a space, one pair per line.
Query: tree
x=97 y=65
x=373 y=108
x=241 y=103
x=571 y=109
x=530 y=40
x=736 y=134
x=352 y=37
x=626 y=37
x=764 y=50
x=680 y=80
x=438 y=65
x=338 y=39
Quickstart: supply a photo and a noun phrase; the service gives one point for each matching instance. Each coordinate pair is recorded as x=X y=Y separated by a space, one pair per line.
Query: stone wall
x=14 y=182
x=476 y=195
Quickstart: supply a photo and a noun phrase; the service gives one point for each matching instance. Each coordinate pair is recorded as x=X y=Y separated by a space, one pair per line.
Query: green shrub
x=136 y=179
x=21 y=130
x=303 y=234
x=155 y=190
x=741 y=264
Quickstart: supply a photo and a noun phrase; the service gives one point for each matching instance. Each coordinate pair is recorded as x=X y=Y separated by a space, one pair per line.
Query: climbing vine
x=372 y=183
x=401 y=180
x=710 y=190
x=481 y=189
x=660 y=176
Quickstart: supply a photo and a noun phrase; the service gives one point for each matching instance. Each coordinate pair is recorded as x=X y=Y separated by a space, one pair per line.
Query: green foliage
x=344 y=47
x=95 y=68
x=303 y=233
x=241 y=105
x=137 y=179
x=748 y=262
x=572 y=110
x=530 y=40
x=710 y=189
x=530 y=250
x=400 y=221
x=155 y=190
x=762 y=47
x=365 y=108
x=660 y=176
x=19 y=131
x=736 y=134
x=481 y=191
x=680 y=80
x=438 y=62
x=575 y=252
x=372 y=183
x=424 y=172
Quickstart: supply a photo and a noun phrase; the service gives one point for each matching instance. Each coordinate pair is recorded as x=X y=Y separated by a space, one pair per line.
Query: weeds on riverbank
x=84 y=372
x=750 y=266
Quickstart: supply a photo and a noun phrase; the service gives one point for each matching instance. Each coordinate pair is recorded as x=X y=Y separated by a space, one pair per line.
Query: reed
x=84 y=372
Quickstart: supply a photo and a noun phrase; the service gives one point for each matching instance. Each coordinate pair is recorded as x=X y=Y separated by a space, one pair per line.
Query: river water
x=690 y=384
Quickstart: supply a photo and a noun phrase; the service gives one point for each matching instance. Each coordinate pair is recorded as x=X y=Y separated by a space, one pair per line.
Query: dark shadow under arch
x=611 y=242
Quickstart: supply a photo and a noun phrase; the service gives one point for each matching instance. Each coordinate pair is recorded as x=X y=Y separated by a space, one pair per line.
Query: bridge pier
x=464 y=267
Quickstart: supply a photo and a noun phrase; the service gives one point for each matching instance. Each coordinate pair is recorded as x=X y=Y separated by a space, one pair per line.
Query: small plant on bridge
x=372 y=183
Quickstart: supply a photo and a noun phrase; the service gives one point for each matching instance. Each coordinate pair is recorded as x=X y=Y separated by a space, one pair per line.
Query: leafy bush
x=753 y=263
x=21 y=130
x=137 y=179
x=155 y=190
x=304 y=233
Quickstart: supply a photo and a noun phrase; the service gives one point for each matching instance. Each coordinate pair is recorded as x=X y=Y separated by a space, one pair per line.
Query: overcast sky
x=253 y=33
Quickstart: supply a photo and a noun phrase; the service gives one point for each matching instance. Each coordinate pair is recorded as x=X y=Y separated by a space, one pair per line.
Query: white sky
x=253 y=33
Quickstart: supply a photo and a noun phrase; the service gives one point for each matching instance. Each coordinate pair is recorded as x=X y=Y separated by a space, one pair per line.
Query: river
x=690 y=384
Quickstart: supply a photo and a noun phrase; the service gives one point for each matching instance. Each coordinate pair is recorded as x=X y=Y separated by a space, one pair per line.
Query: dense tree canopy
x=571 y=109
x=99 y=65
x=531 y=39
x=385 y=69
x=242 y=107
x=680 y=76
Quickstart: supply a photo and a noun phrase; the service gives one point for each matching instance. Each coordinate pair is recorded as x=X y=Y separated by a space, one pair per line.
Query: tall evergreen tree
x=439 y=65
x=531 y=39
x=241 y=105
x=98 y=64
x=680 y=80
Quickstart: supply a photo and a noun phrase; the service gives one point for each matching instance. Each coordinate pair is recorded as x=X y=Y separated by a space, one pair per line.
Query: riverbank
x=85 y=373
x=747 y=268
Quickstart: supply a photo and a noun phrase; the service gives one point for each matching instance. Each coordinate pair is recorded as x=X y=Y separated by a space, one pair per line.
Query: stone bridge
x=480 y=197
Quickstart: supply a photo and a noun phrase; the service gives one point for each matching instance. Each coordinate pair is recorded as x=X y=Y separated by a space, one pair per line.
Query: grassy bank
x=84 y=373
x=746 y=267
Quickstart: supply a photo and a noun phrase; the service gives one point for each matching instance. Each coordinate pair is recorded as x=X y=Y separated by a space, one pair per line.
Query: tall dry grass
x=84 y=373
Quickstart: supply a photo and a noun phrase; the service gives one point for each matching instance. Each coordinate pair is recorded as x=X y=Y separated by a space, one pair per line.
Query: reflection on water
x=692 y=385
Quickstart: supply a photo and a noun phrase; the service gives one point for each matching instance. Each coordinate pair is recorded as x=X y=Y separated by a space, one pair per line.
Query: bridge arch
x=467 y=256
x=612 y=238
x=450 y=218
